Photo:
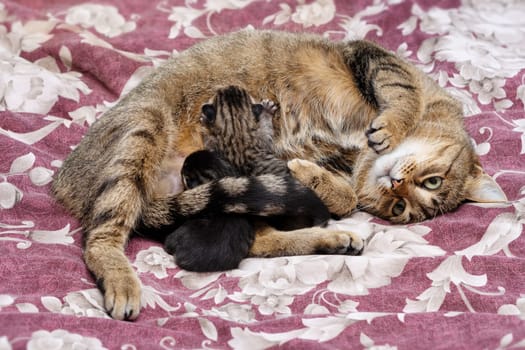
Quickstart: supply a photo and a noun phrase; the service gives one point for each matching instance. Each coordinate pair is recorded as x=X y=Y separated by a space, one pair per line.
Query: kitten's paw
x=341 y=242
x=306 y=172
x=381 y=137
x=269 y=106
x=122 y=292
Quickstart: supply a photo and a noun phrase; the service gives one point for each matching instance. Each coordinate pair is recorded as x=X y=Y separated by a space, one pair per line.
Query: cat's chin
x=382 y=166
x=384 y=181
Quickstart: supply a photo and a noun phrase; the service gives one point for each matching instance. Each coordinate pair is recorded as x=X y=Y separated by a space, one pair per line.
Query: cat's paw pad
x=304 y=171
x=341 y=243
x=269 y=106
x=122 y=292
x=380 y=137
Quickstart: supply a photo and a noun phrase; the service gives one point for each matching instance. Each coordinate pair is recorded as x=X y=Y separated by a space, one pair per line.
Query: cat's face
x=423 y=177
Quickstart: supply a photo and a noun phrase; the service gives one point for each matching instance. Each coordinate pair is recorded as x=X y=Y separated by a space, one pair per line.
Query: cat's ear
x=482 y=188
x=208 y=114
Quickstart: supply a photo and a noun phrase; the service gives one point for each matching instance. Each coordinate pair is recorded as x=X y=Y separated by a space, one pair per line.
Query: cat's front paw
x=122 y=291
x=381 y=135
x=342 y=243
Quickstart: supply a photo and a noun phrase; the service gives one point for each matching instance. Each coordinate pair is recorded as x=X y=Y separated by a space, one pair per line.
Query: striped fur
x=352 y=107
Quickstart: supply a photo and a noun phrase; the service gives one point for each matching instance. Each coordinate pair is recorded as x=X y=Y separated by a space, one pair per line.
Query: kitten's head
x=231 y=114
x=424 y=176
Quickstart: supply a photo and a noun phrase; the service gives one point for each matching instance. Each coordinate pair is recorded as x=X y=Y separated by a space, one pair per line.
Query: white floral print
x=6 y=300
x=105 y=20
x=449 y=271
x=87 y=302
x=60 y=339
x=36 y=87
x=4 y=343
x=488 y=89
x=271 y=304
x=154 y=260
x=517 y=309
x=280 y=276
x=315 y=13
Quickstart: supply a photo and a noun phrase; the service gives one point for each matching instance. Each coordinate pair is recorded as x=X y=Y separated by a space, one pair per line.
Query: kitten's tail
x=264 y=195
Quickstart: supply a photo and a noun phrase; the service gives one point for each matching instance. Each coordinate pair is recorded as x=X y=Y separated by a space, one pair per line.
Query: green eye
x=399 y=207
x=433 y=183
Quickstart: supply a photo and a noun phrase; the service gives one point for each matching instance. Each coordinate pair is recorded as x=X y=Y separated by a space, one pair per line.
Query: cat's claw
x=121 y=295
x=341 y=243
x=380 y=137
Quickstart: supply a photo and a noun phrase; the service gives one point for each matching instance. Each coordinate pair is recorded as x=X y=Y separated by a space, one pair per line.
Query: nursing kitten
x=211 y=241
x=376 y=132
x=238 y=140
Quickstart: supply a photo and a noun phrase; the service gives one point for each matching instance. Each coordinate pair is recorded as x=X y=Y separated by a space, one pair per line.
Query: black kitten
x=212 y=241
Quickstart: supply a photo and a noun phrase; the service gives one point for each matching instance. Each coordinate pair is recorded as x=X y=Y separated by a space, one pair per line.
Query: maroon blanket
x=457 y=281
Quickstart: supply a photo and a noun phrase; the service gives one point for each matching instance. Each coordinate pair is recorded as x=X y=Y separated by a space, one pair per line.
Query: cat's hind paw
x=122 y=293
x=335 y=192
x=341 y=243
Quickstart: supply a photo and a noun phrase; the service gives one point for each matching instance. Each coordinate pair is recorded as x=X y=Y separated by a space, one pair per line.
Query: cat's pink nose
x=396 y=183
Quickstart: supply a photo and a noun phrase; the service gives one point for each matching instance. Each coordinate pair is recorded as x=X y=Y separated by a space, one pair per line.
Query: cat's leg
x=270 y=242
x=118 y=212
x=115 y=277
x=122 y=196
x=390 y=85
x=335 y=192
x=104 y=249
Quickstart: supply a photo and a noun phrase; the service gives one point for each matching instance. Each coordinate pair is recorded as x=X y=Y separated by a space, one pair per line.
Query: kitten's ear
x=208 y=114
x=257 y=110
x=482 y=188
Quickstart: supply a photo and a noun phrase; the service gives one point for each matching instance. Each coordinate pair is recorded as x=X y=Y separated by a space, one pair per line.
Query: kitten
x=374 y=130
x=211 y=241
x=238 y=141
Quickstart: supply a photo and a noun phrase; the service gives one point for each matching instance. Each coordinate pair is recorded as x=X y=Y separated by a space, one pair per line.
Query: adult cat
x=374 y=124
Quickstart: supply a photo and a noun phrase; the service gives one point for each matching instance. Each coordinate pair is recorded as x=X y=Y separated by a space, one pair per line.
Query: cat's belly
x=170 y=181
x=318 y=145
x=355 y=139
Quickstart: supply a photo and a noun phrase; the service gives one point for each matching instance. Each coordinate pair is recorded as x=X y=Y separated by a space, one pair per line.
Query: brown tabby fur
x=371 y=125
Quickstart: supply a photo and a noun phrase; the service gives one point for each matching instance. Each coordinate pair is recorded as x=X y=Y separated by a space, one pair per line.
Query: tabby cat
x=238 y=143
x=359 y=125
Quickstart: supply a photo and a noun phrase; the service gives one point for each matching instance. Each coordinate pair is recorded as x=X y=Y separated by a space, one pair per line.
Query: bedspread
x=454 y=282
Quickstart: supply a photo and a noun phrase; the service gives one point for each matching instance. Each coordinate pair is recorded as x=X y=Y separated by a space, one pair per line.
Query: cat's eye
x=399 y=207
x=433 y=183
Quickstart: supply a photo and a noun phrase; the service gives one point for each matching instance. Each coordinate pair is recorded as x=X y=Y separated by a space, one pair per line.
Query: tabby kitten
x=372 y=130
x=238 y=141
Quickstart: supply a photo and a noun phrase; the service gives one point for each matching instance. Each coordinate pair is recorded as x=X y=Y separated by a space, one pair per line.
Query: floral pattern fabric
x=454 y=282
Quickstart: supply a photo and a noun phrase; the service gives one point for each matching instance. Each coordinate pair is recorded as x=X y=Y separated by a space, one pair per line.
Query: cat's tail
x=264 y=195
